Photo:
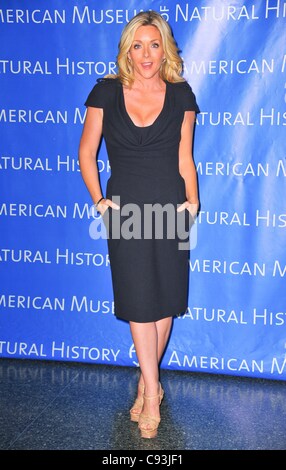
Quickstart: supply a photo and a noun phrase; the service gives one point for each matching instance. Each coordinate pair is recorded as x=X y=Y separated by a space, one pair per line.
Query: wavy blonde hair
x=171 y=68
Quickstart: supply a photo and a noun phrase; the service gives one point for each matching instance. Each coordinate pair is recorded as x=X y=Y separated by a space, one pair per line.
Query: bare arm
x=186 y=163
x=88 y=148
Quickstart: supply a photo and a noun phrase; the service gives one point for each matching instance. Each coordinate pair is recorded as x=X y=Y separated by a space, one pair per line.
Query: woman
x=146 y=114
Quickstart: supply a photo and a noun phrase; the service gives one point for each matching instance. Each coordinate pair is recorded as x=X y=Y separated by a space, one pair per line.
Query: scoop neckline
x=155 y=120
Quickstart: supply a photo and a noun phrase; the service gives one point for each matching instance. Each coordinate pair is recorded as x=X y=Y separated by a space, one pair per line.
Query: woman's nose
x=146 y=52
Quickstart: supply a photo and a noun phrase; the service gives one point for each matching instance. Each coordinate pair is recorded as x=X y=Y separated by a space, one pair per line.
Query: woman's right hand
x=105 y=204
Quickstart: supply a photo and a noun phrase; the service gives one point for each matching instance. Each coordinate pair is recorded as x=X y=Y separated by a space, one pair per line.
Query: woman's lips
x=147 y=65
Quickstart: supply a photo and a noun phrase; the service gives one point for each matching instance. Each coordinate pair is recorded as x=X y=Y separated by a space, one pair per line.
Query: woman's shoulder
x=102 y=92
x=107 y=82
x=184 y=95
x=181 y=86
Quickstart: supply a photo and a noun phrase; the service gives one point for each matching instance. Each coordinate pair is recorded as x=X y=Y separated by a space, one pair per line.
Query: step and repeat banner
x=56 y=299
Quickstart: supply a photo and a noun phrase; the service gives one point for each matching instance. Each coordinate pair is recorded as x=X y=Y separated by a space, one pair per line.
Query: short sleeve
x=98 y=96
x=188 y=99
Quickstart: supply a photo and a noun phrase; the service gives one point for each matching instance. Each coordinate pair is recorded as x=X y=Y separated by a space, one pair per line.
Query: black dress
x=149 y=273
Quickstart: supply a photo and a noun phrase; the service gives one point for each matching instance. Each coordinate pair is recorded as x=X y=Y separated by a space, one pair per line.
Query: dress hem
x=161 y=317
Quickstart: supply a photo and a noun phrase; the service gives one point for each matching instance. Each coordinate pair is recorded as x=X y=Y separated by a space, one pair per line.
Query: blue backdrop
x=55 y=295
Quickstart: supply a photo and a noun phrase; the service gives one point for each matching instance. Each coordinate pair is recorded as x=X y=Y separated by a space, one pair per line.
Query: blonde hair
x=171 y=68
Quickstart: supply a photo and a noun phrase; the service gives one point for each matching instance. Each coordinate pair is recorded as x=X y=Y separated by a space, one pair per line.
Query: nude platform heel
x=137 y=406
x=152 y=421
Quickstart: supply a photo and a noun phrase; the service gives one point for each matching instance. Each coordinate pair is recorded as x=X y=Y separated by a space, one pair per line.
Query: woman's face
x=146 y=52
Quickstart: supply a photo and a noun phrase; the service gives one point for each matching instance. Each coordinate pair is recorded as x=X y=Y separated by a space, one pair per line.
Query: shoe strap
x=153 y=396
x=160 y=394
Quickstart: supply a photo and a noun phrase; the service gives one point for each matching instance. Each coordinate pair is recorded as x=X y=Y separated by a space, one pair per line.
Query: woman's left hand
x=191 y=207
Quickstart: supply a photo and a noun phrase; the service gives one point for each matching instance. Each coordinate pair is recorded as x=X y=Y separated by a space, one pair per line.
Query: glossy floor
x=74 y=406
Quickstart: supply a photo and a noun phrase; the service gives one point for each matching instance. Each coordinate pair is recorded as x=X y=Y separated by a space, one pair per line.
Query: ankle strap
x=150 y=398
x=154 y=396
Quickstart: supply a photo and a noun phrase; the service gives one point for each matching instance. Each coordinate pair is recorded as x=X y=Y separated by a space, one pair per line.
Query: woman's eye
x=155 y=44
x=136 y=46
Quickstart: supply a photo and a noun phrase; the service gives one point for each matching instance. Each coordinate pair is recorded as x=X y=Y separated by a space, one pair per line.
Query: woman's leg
x=150 y=341
x=163 y=330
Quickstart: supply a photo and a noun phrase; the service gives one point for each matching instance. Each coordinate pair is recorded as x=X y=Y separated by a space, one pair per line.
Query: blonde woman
x=146 y=114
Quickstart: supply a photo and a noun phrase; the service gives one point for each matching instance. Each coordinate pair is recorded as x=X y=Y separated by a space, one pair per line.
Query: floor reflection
x=75 y=406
